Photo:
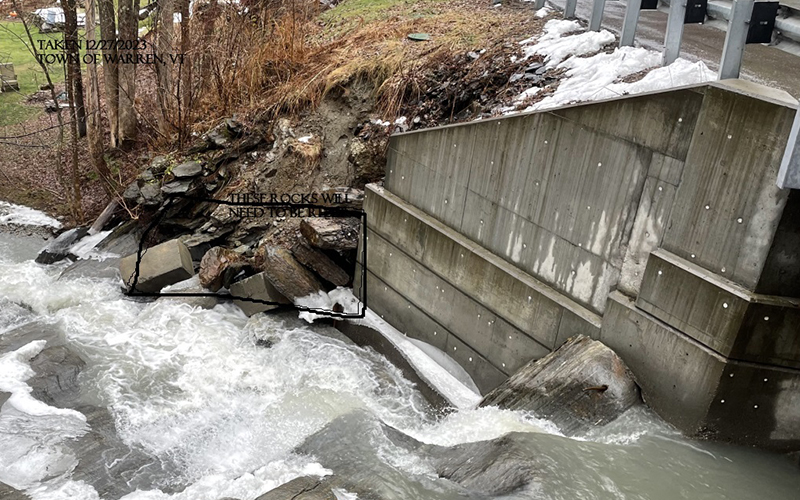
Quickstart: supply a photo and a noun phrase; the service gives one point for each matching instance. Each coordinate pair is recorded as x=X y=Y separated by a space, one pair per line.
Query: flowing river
x=209 y=404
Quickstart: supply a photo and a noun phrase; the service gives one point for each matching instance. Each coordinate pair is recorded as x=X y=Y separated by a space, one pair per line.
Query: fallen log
x=104 y=217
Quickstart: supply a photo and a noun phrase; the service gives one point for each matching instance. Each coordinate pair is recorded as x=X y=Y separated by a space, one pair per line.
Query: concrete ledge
x=697 y=390
x=387 y=211
x=720 y=314
x=678 y=375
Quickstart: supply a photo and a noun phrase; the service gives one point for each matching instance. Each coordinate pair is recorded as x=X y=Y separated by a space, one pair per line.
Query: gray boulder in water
x=56 y=379
x=305 y=488
x=9 y=493
x=58 y=249
x=349 y=446
x=580 y=385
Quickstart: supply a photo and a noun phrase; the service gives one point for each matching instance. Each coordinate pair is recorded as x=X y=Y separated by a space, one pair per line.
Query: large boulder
x=59 y=248
x=354 y=446
x=580 y=385
x=256 y=294
x=187 y=169
x=161 y=265
x=319 y=262
x=367 y=162
x=497 y=467
x=56 y=379
x=335 y=233
x=288 y=276
x=219 y=266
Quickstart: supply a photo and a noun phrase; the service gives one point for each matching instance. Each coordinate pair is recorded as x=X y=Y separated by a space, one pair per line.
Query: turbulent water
x=216 y=413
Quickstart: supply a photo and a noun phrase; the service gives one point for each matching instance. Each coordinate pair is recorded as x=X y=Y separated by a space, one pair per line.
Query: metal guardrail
x=748 y=22
x=787 y=25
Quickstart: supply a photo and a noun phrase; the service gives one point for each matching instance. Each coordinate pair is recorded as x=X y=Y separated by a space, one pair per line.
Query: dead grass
x=284 y=60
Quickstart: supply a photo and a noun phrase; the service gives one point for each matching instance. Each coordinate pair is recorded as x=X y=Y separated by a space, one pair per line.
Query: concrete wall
x=555 y=193
x=496 y=240
x=432 y=283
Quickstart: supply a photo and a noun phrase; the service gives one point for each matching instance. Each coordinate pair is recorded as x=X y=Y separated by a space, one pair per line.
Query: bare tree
x=185 y=77
x=108 y=34
x=32 y=47
x=93 y=123
x=73 y=54
x=128 y=16
x=165 y=40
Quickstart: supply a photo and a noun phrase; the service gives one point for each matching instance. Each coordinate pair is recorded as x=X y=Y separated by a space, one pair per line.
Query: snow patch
x=556 y=47
x=25 y=216
x=597 y=77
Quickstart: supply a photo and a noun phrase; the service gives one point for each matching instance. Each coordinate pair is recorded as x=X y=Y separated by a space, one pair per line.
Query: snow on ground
x=597 y=77
x=556 y=47
x=25 y=216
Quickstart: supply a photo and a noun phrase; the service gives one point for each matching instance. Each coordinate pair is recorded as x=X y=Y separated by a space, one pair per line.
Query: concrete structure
x=8 y=78
x=651 y=222
x=159 y=266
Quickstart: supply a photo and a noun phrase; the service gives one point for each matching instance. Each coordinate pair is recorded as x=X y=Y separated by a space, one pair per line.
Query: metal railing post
x=629 y=24
x=672 y=40
x=789 y=173
x=597 y=15
x=569 y=9
x=735 y=39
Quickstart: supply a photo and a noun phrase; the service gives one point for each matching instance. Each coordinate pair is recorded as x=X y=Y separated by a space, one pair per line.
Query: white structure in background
x=52 y=19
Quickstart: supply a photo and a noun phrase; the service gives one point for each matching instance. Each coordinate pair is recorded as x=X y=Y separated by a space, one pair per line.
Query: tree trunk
x=164 y=47
x=94 y=128
x=108 y=31
x=73 y=74
x=185 y=74
x=128 y=16
x=74 y=65
x=288 y=276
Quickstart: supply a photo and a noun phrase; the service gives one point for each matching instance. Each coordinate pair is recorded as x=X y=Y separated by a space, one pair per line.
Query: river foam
x=200 y=392
x=194 y=387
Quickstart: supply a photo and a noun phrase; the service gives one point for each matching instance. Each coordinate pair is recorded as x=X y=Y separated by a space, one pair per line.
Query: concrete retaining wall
x=555 y=193
x=497 y=240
